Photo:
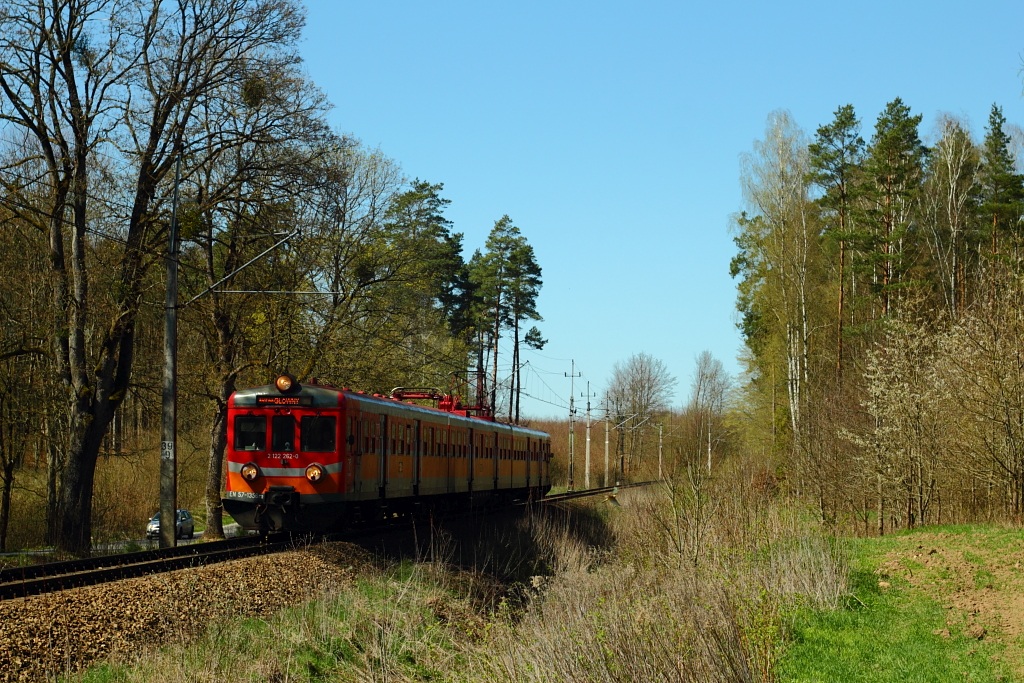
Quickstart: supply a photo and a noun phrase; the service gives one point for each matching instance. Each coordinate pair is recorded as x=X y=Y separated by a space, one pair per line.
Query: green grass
x=105 y=673
x=885 y=633
x=386 y=628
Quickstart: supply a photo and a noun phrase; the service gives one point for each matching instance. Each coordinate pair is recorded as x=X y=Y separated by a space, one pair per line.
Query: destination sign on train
x=271 y=400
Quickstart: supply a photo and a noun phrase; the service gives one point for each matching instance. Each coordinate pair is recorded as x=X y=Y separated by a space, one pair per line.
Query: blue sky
x=611 y=134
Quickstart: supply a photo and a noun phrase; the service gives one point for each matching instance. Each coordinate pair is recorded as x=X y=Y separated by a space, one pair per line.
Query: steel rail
x=586 y=493
x=18 y=582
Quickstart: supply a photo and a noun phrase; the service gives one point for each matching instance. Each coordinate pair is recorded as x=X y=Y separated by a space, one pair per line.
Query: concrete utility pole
x=168 y=429
x=607 y=427
x=586 y=473
x=572 y=375
x=622 y=454
x=169 y=423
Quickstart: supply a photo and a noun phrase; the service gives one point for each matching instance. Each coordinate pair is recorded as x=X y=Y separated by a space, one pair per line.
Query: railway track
x=609 y=491
x=20 y=582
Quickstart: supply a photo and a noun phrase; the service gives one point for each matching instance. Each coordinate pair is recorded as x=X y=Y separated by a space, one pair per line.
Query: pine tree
x=1002 y=192
x=835 y=158
x=894 y=167
x=524 y=287
x=506 y=279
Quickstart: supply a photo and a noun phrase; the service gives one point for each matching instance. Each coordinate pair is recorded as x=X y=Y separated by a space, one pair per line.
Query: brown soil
x=981 y=583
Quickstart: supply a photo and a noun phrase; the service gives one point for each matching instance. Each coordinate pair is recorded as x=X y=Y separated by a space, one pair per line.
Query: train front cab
x=283 y=455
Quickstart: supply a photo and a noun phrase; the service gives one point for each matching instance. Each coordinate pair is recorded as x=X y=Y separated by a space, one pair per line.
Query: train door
x=470 y=459
x=530 y=443
x=382 y=461
x=445 y=455
x=484 y=462
x=354 y=445
x=448 y=452
x=496 y=461
x=369 y=473
x=417 y=459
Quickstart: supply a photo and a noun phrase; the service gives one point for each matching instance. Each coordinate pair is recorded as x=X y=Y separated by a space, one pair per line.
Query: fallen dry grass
x=647 y=611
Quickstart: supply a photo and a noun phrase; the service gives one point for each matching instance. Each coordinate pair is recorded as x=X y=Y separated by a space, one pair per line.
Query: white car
x=185 y=527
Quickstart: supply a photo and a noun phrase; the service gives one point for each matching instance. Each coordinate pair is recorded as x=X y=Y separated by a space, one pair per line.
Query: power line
x=541 y=400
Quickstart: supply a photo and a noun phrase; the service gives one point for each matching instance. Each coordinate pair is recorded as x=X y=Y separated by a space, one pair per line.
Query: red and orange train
x=308 y=457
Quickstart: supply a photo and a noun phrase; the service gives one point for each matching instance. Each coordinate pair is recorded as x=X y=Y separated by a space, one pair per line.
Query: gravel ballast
x=44 y=636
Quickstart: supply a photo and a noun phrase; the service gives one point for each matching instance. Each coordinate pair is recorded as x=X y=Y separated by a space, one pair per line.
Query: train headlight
x=250 y=471
x=285 y=383
x=314 y=473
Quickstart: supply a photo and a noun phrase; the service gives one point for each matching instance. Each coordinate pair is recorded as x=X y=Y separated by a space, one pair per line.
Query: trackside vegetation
x=602 y=592
x=879 y=268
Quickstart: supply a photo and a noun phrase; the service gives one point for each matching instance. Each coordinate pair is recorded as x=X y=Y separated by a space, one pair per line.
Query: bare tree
x=707 y=401
x=640 y=388
x=112 y=87
x=950 y=194
x=239 y=202
x=983 y=375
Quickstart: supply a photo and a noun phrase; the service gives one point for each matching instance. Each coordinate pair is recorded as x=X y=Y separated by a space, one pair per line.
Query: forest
x=880 y=298
x=301 y=250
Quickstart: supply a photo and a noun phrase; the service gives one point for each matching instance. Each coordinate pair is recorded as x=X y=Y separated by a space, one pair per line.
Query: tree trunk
x=215 y=464
x=5 y=501
x=516 y=377
x=842 y=297
x=73 y=511
x=881 y=506
x=494 y=377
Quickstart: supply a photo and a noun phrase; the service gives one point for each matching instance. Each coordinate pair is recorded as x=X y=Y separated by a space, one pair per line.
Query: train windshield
x=250 y=433
x=282 y=433
x=318 y=433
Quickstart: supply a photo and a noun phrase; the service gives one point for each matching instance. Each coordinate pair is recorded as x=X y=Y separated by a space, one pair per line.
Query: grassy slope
x=910 y=617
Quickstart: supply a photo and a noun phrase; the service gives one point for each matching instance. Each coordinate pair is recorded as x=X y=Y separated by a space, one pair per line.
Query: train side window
x=282 y=434
x=318 y=433
x=250 y=433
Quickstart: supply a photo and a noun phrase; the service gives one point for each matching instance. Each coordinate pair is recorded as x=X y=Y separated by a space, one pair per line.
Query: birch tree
x=780 y=251
x=950 y=197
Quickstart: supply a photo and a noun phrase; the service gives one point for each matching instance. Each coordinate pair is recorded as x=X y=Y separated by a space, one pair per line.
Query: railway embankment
x=46 y=636
x=740 y=590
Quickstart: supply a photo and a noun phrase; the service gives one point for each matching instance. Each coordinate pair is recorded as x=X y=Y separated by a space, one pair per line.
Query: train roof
x=314 y=395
